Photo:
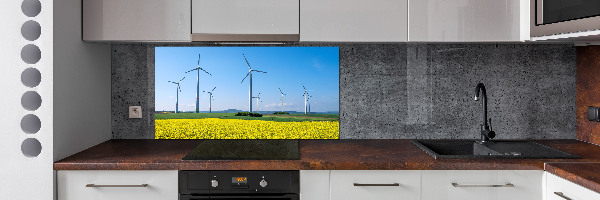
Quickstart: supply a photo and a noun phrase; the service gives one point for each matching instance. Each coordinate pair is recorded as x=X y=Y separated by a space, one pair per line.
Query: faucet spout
x=481 y=88
x=486 y=133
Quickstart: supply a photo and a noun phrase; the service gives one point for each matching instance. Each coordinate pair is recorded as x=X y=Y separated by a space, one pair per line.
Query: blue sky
x=287 y=68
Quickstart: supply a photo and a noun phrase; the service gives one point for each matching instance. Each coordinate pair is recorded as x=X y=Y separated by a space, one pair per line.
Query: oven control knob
x=214 y=183
x=263 y=183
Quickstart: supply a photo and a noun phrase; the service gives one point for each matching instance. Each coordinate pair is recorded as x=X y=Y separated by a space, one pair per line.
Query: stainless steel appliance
x=553 y=17
x=234 y=185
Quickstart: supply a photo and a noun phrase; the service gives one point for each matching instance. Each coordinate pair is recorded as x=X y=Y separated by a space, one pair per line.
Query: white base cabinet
x=482 y=184
x=561 y=189
x=314 y=184
x=375 y=185
x=117 y=185
x=340 y=185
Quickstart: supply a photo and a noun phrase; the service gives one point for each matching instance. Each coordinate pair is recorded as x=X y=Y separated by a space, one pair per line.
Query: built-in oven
x=553 y=17
x=234 y=185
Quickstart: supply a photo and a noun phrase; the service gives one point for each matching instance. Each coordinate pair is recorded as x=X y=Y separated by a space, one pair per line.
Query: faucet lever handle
x=491 y=124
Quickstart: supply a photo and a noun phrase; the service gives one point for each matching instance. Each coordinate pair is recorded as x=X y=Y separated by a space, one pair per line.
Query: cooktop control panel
x=215 y=182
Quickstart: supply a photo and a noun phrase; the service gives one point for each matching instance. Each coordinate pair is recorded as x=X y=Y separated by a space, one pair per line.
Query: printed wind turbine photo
x=250 y=102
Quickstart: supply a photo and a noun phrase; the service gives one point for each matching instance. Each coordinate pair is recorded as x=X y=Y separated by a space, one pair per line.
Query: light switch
x=135 y=112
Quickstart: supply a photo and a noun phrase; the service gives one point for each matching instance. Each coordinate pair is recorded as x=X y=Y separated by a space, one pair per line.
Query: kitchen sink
x=440 y=149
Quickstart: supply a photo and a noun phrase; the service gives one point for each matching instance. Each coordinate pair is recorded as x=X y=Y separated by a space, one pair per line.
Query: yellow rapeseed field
x=214 y=128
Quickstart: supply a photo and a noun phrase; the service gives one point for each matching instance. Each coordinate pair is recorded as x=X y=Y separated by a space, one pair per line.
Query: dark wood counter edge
x=376 y=154
x=579 y=173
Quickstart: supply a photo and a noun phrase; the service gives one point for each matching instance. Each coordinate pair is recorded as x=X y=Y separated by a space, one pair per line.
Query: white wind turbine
x=178 y=90
x=281 y=99
x=257 y=97
x=305 y=99
x=308 y=100
x=250 y=74
x=210 y=98
x=198 y=68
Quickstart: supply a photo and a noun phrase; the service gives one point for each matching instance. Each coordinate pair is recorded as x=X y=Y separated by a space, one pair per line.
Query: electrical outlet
x=135 y=112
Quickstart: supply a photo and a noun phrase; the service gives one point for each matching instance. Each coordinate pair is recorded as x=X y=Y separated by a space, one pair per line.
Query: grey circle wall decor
x=31 y=54
x=31 y=8
x=31 y=147
x=31 y=30
x=31 y=77
x=31 y=100
x=31 y=124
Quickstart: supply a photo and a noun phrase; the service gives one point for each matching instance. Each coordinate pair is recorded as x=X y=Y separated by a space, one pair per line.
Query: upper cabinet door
x=354 y=20
x=245 y=20
x=468 y=20
x=136 y=20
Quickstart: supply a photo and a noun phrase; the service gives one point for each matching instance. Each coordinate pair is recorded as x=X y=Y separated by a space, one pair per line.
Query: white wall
x=82 y=84
x=75 y=93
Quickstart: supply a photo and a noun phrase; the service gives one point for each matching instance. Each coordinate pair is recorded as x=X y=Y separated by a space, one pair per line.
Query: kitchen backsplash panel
x=407 y=90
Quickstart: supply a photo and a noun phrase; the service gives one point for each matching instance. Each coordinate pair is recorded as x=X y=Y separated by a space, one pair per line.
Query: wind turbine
x=198 y=68
x=305 y=99
x=250 y=74
x=308 y=100
x=210 y=99
x=281 y=100
x=257 y=97
x=178 y=90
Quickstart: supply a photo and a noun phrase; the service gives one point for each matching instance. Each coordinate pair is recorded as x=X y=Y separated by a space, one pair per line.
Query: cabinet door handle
x=505 y=185
x=94 y=185
x=384 y=184
x=560 y=194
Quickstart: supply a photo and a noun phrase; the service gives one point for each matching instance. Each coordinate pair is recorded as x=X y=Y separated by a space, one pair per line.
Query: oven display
x=239 y=180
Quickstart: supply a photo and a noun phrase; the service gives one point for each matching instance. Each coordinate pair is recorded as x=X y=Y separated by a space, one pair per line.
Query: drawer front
x=379 y=185
x=482 y=184
x=161 y=185
x=136 y=20
x=566 y=190
x=246 y=17
x=314 y=185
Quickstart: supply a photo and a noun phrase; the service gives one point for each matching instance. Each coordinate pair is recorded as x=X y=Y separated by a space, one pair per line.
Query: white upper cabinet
x=245 y=20
x=468 y=20
x=354 y=20
x=136 y=20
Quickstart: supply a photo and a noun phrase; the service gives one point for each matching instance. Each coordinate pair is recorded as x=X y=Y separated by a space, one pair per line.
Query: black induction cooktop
x=245 y=150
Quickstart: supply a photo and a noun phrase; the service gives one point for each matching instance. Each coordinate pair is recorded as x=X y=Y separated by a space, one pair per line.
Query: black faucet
x=486 y=130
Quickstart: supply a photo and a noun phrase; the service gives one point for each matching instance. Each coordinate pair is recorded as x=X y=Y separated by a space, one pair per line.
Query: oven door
x=236 y=197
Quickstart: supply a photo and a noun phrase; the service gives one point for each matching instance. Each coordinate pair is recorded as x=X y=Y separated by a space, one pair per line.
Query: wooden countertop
x=314 y=155
x=331 y=155
x=581 y=173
